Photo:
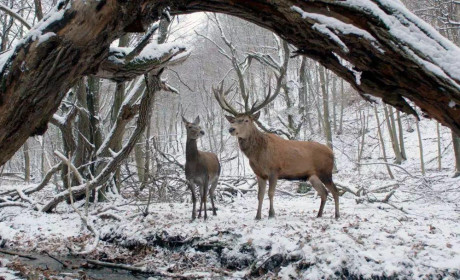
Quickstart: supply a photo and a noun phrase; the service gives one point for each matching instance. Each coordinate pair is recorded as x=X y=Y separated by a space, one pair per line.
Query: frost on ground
x=370 y=239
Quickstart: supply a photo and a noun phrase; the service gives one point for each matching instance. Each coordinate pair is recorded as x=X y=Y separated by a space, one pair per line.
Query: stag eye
x=247 y=120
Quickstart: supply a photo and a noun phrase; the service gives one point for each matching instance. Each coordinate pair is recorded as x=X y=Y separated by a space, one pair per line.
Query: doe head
x=194 y=130
x=242 y=125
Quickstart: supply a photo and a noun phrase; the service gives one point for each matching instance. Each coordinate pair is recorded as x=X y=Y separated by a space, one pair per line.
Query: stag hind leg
x=262 y=185
x=322 y=192
x=335 y=194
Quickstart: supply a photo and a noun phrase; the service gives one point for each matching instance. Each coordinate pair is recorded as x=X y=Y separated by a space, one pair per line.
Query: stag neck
x=254 y=144
x=191 y=150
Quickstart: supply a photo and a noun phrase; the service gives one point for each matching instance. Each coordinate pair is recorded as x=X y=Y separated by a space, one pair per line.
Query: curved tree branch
x=398 y=56
x=15 y=15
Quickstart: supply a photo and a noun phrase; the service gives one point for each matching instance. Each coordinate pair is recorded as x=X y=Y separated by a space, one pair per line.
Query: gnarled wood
x=79 y=33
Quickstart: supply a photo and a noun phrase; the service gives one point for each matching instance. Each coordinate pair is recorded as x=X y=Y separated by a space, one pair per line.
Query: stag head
x=194 y=130
x=242 y=125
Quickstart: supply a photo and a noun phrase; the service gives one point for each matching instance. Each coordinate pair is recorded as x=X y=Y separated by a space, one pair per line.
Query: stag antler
x=220 y=94
x=268 y=98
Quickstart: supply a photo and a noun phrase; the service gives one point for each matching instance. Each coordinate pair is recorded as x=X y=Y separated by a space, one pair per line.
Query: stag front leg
x=262 y=185
x=192 y=189
x=271 y=194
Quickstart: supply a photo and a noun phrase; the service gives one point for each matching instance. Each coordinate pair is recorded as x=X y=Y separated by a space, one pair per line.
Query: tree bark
x=37 y=74
x=456 y=144
x=327 y=122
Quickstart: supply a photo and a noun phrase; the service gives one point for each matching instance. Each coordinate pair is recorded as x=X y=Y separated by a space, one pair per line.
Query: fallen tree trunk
x=377 y=46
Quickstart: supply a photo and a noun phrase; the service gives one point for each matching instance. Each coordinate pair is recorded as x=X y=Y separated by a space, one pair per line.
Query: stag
x=201 y=168
x=272 y=157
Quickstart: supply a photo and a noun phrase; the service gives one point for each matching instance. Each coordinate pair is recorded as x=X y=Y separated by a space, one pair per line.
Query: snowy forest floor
x=415 y=236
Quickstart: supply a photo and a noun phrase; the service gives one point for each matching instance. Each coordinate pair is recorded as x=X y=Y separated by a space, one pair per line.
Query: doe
x=201 y=168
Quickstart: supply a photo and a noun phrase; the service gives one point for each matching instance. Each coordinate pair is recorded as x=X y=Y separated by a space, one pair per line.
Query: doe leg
x=322 y=192
x=262 y=185
x=271 y=193
x=211 y=194
x=192 y=189
x=201 y=201
x=204 y=198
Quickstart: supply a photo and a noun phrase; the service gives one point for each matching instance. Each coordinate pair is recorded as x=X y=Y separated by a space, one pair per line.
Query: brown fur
x=201 y=168
x=272 y=157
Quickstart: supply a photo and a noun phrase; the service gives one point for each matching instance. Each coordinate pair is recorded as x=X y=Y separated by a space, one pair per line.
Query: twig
x=150 y=272
x=10 y=204
x=71 y=166
x=385 y=200
x=347 y=189
x=26 y=198
x=391 y=164
x=173 y=160
x=17 y=254
x=84 y=219
x=56 y=259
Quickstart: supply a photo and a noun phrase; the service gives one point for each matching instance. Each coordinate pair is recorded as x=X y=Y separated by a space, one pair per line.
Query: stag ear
x=197 y=120
x=184 y=120
x=256 y=116
x=230 y=118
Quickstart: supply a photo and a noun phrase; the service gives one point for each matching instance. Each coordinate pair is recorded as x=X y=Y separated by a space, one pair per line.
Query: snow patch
x=328 y=23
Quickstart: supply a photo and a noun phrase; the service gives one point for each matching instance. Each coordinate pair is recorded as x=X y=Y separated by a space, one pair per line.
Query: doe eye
x=247 y=121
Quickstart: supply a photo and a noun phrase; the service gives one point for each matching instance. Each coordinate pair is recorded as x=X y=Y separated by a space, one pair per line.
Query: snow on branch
x=120 y=66
x=421 y=38
x=330 y=26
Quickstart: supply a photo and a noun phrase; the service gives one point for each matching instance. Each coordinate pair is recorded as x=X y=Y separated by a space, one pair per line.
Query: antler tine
x=269 y=98
x=219 y=94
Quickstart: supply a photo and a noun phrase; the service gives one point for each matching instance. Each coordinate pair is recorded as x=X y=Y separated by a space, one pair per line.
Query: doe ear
x=256 y=116
x=197 y=120
x=184 y=120
x=230 y=118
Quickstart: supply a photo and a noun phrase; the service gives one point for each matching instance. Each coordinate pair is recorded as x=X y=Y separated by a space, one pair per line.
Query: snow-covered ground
x=370 y=239
x=413 y=236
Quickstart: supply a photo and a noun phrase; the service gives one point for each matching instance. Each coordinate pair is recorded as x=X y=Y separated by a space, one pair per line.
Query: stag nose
x=202 y=132
x=231 y=130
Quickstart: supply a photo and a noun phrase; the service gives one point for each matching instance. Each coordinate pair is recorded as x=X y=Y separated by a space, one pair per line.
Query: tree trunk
x=327 y=122
x=402 y=148
x=392 y=66
x=420 y=146
x=393 y=137
x=456 y=144
x=38 y=9
x=438 y=133
x=26 y=162
x=342 y=106
x=382 y=143
x=145 y=105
